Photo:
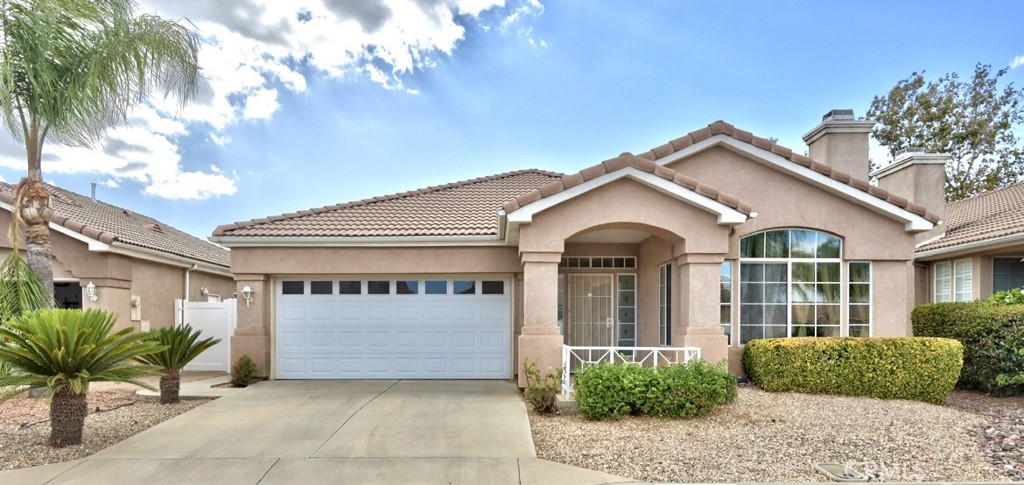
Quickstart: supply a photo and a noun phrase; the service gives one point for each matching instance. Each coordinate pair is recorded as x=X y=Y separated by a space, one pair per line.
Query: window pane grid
x=943 y=283
x=792 y=288
x=963 y=280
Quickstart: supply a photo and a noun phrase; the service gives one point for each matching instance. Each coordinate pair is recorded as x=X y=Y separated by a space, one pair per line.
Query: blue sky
x=317 y=102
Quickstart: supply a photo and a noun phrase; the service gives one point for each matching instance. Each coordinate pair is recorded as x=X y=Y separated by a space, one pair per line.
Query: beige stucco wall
x=782 y=201
x=117 y=277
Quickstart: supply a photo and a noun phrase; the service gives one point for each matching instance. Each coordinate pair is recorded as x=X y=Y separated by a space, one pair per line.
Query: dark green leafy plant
x=678 y=391
x=540 y=391
x=991 y=336
x=243 y=372
x=181 y=346
x=63 y=351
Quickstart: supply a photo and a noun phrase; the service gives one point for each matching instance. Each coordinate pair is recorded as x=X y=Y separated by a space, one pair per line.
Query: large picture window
x=725 y=287
x=790 y=285
x=860 y=299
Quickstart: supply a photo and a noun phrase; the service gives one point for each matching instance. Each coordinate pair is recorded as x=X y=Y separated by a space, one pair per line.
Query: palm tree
x=181 y=346
x=70 y=69
x=63 y=351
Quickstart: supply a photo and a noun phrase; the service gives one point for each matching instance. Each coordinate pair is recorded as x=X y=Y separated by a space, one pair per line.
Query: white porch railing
x=574 y=358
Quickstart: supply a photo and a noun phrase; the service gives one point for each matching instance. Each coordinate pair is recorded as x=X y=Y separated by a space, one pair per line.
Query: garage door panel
x=393 y=336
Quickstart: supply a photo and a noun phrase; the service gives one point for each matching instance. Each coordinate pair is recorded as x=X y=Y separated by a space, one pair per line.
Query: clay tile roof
x=989 y=215
x=621 y=162
x=108 y=223
x=466 y=208
x=723 y=128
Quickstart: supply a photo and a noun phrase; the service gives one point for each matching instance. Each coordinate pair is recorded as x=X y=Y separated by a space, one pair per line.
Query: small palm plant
x=181 y=346
x=63 y=351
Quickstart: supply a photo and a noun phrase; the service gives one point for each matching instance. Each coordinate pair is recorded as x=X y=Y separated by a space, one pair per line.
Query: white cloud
x=251 y=49
x=1017 y=62
x=110 y=183
x=261 y=104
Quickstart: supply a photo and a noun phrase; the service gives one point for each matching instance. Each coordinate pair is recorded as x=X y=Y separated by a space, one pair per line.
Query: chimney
x=918 y=176
x=841 y=141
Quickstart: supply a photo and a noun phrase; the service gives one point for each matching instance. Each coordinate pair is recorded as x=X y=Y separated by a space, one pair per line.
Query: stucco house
x=709 y=240
x=137 y=265
x=978 y=250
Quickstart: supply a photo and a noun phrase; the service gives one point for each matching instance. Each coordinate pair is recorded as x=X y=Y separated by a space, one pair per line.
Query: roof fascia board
x=911 y=221
x=164 y=258
x=394 y=241
x=94 y=245
x=993 y=243
x=726 y=215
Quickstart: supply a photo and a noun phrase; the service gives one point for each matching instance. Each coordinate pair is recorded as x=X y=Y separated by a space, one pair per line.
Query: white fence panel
x=214 y=319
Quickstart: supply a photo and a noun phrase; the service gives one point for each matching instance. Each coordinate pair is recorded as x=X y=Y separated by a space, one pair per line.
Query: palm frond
x=181 y=346
x=71 y=348
x=20 y=289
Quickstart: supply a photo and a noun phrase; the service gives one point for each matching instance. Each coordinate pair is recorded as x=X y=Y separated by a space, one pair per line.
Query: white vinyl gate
x=214 y=319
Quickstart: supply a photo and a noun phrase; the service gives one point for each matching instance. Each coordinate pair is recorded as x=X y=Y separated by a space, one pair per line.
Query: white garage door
x=393 y=327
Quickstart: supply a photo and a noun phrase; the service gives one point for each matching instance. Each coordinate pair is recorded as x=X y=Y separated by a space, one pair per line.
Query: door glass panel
x=349 y=287
x=591 y=321
x=378 y=287
x=436 y=287
x=464 y=287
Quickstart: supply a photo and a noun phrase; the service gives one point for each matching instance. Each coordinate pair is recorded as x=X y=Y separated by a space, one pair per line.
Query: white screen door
x=591 y=305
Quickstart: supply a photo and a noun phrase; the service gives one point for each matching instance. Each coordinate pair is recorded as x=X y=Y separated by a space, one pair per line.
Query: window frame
x=762 y=236
x=958 y=284
x=871 y=297
x=665 y=304
x=1016 y=259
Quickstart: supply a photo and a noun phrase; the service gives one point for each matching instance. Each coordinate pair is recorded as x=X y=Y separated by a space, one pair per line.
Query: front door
x=591 y=310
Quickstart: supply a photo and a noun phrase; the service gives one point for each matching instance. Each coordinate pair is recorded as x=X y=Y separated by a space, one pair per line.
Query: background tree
x=972 y=120
x=70 y=69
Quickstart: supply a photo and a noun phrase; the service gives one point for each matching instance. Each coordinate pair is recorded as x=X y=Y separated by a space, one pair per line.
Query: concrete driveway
x=332 y=432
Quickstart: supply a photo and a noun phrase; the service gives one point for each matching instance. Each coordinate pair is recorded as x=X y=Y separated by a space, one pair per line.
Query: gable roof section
x=110 y=224
x=987 y=218
x=461 y=209
x=681 y=147
x=729 y=209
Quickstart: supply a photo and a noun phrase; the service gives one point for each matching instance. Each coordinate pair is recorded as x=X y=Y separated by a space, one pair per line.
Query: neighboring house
x=710 y=240
x=137 y=264
x=980 y=250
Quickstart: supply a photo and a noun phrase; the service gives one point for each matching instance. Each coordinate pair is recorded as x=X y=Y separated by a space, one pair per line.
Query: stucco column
x=699 y=306
x=252 y=335
x=540 y=340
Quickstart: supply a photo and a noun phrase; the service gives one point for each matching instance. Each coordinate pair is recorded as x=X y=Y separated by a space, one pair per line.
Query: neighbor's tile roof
x=985 y=216
x=467 y=208
x=108 y=223
x=618 y=163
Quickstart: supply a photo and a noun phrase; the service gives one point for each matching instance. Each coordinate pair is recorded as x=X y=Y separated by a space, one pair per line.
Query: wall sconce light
x=247 y=295
x=90 y=291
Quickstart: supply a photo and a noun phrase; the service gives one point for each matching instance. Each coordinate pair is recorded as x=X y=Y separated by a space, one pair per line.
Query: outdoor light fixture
x=247 y=295
x=90 y=291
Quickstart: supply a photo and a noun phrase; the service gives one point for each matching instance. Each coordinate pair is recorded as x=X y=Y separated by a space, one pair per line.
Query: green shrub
x=991 y=336
x=243 y=372
x=921 y=369
x=693 y=389
x=540 y=392
x=1013 y=296
x=679 y=391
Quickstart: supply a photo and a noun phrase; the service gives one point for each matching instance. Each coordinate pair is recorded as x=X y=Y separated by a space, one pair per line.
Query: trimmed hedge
x=921 y=369
x=678 y=391
x=991 y=335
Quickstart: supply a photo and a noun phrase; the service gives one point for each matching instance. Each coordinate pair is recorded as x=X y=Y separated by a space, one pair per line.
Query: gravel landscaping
x=776 y=437
x=24 y=425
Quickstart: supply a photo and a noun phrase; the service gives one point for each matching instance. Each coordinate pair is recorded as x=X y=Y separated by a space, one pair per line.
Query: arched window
x=790 y=284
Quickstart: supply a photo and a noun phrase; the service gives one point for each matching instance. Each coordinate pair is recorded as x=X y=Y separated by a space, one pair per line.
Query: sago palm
x=20 y=292
x=63 y=351
x=70 y=69
x=181 y=346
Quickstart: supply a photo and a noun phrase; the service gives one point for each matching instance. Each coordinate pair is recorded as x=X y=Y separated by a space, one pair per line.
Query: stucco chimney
x=841 y=140
x=918 y=176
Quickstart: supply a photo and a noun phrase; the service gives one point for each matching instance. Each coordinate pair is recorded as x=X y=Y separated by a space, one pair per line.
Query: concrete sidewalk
x=332 y=432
